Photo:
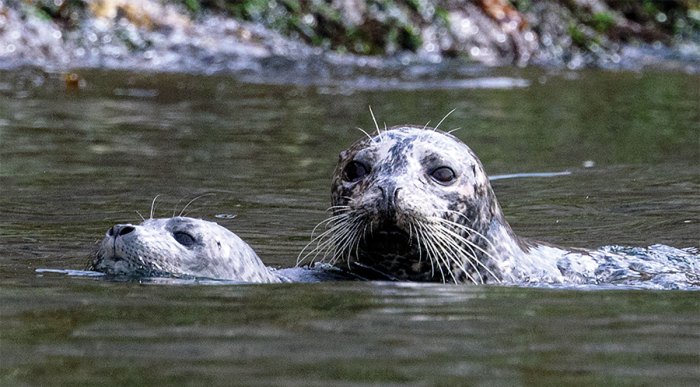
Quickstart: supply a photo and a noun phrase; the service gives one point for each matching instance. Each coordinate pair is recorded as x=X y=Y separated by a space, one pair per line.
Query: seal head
x=412 y=203
x=179 y=246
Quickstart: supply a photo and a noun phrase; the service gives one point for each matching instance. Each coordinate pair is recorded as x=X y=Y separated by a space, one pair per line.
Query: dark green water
x=74 y=163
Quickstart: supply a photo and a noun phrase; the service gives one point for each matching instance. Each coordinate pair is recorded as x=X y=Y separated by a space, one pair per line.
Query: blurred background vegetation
x=517 y=31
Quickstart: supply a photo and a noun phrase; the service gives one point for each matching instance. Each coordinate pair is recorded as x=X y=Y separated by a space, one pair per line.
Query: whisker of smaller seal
x=153 y=206
x=192 y=201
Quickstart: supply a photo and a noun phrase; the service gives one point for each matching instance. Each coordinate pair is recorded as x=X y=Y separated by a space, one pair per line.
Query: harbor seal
x=408 y=204
x=414 y=203
x=192 y=248
x=179 y=246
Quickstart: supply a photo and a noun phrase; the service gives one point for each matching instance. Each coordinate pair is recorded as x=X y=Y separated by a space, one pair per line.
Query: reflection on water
x=72 y=163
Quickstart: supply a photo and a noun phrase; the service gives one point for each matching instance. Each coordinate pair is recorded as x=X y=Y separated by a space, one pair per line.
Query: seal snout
x=387 y=204
x=120 y=230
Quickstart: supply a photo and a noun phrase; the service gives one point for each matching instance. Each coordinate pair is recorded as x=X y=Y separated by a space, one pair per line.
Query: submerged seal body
x=413 y=203
x=179 y=246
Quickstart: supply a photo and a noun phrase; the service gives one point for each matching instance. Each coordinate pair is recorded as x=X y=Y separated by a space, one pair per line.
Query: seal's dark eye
x=443 y=175
x=184 y=238
x=355 y=171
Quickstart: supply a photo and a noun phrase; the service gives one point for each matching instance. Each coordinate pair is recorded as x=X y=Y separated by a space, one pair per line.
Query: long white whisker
x=153 y=205
x=441 y=234
x=471 y=231
x=432 y=253
x=413 y=232
x=374 y=269
x=456 y=250
x=327 y=221
x=339 y=207
x=470 y=244
x=363 y=131
x=467 y=228
x=193 y=200
x=323 y=242
x=376 y=125
x=341 y=235
x=344 y=249
x=444 y=118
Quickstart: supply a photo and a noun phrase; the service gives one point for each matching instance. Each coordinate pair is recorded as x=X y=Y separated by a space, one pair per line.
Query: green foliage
x=603 y=21
x=66 y=12
x=193 y=5
x=577 y=36
x=381 y=27
x=385 y=26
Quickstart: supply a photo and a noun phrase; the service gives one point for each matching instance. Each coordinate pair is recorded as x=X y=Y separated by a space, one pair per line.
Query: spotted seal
x=179 y=246
x=414 y=203
x=188 y=247
x=408 y=203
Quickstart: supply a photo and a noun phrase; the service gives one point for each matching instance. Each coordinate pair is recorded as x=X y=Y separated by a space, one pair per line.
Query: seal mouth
x=390 y=253
x=388 y=239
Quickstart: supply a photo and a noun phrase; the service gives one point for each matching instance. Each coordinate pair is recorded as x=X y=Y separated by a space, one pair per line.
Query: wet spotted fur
x=179 y=246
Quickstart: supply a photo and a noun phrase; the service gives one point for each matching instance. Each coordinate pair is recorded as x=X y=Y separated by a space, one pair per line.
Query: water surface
x=74 y=162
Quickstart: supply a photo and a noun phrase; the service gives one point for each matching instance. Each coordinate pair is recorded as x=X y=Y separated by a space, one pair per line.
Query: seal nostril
x=120 y=230
x=126 y=230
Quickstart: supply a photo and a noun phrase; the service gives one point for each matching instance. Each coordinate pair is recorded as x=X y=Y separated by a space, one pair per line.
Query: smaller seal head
x=178 y=246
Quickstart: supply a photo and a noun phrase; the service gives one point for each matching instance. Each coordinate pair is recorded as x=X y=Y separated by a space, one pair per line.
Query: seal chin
x=114 y=264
